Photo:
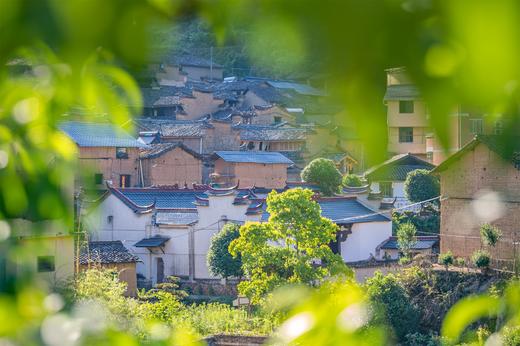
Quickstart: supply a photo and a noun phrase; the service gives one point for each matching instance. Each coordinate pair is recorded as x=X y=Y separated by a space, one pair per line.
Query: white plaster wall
x=398 y=189
x=364 y=239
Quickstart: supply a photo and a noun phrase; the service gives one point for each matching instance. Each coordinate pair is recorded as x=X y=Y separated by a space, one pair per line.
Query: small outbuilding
x=251 y=168
x=111 y=255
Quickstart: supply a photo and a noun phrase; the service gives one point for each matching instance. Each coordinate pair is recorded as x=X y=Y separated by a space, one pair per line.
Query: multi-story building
x=409 y=128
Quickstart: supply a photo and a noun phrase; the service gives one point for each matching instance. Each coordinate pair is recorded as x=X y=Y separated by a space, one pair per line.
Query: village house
x=170 y=229
x=387 y=179
x=251 y=168
x=409 y=130
x=112 y=255
x=486 y=166
x=45 y=249
x=177 y=70
x=424 y=245
x=170 y=164
x=105 y=153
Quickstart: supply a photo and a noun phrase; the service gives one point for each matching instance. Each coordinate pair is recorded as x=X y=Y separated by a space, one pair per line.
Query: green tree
x=420 y=185
x=323 y=172
x=446 y=259
x=292 y=247
x=406 y=238
x=481 y=259
x=490 y=235
x=352 y=180
x=220 y=261
x=392 y=304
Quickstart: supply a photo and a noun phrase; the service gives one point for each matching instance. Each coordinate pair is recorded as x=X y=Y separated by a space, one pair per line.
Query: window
x=124 y=180
x=277 y=120
x=476 y=126
x=98 y=178
x=405 y=107
x=121 y=153
x=386 y=188
x=45 y=264
x=406 y=135
x=499 y=127
x=429 y=155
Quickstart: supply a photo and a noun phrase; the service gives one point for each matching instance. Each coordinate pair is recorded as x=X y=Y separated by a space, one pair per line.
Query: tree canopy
x=323 y=172
x=406 y=238
x=420 y=185
x=292 y=247
x=220 y=261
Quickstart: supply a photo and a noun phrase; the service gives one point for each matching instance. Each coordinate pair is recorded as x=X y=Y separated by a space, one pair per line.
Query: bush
x=323 y=172
x=220 y=261
x=446 y=259
x=424 y=223
x=481 y=259
x=490 y=234
x=420 y=185
x=460 y=262
x=511 y=336
x=392 y=304
x=352 y=180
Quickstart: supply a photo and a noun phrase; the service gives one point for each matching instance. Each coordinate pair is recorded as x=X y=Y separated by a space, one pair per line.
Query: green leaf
x=467 y=311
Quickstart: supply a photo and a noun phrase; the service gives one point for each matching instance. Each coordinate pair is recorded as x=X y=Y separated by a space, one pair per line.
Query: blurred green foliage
x=65 y=59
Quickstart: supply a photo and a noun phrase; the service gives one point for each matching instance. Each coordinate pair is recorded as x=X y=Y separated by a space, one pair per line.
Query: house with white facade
x=170 y=229
x=387 y=179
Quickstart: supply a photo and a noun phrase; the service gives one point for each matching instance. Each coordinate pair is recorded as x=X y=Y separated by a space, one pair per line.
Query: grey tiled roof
x=397 y=168
x=163 y=197
x=423 y=242
x=266 y=157
x=345 y=210
x=156 y=150
x=176 y=218
x=172 y=94
x=271 y=133
x=174 y=128
x=402 y=92
x=154 y=241
x=98 y=135
x=106 y=252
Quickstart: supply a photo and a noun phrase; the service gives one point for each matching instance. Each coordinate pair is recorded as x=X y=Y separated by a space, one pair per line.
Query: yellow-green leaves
x=467 y=311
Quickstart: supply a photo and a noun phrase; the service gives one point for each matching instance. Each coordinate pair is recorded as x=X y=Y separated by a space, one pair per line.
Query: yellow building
x=409 y=130
x=43 y=249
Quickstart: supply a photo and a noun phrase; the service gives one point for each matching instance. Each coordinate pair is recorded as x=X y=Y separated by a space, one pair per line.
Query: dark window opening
x=406 y=135
x=98 y=178
x=121 y=153
x=46 y=264
x=406 y=107
x=277 y=120
x=124 y=180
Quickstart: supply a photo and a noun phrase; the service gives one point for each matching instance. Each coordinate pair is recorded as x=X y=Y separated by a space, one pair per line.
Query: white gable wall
x=364 y=239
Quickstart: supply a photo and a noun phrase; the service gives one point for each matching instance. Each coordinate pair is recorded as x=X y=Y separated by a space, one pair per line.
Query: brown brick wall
x=103 y=160
x=252 y=174
x=173 y=167
x=479 y=169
